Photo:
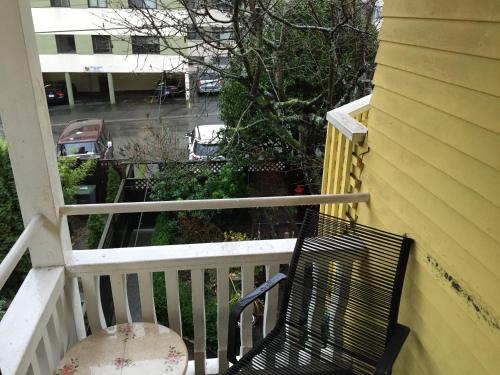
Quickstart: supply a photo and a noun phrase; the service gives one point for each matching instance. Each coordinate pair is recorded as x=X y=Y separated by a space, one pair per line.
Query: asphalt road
x=129 y=120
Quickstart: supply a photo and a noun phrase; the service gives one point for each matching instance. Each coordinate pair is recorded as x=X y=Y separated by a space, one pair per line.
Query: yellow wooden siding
x=433 y=171
x=469 y=105
x=480 y=10
x=477 y=38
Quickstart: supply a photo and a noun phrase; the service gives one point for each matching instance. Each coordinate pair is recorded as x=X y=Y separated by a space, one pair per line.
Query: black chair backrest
x=344 y=288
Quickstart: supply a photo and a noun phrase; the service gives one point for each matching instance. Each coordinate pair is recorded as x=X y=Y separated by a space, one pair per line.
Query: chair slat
x=146 y=294
x=120 y=299
x=173 y=302
x=198 y=299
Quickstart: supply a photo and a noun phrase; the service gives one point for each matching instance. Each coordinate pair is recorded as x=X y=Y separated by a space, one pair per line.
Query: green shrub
x=186 y=307
x=11 y=222
x=72 y=173
x=95 y=227
x=3 y=307
x=112 y=185
x=96 y=223
x=166 y=230
x=235 y=236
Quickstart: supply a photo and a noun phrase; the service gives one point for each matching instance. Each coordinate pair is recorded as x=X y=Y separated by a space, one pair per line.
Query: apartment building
x=84 y=43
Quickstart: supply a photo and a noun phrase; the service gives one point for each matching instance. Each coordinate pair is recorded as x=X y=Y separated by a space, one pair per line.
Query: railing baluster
x=72 y=313
x=339 y=165
x=271 y=305
x=57 y=325
x=49 y=352
x=326 y=167
x=330 y=185
x=173 y=302
x=198 y=299
x=247 y=285
x=54 y=342
x=346 y=177
x=146 y=294
x=92 y=294
x=42 y=358
x=222 y=316
x=35 y=366
x=120 y=300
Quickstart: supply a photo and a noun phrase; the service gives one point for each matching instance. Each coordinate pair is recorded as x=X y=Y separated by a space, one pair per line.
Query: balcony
x=49 y=312
x=57 y=306
x=59 y=302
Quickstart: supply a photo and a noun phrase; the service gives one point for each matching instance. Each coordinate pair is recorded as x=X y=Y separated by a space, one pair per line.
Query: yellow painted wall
x=433 y=171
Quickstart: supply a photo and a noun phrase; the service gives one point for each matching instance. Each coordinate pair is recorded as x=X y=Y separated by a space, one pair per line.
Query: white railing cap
x=342 y=119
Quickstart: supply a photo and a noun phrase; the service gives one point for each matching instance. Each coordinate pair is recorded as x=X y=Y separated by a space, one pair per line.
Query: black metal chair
x=340 y=306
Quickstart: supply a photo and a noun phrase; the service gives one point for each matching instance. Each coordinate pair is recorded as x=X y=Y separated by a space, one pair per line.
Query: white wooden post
x=25 y=117
x=187 y=87
x=111 y=87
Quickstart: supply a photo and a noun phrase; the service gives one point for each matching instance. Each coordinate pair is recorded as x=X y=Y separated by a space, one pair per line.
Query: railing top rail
x=22 y=327
x=190 y=256
x=212 y=204
x=342 y=119
x=15 y=254
x=356 y=107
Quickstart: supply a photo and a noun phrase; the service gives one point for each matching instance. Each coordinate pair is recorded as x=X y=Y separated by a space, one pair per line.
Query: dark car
x=165 y=90
x=56 y=93
x=168 y=87
x=85 y=138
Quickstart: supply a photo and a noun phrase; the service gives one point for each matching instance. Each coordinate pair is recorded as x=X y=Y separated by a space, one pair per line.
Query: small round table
x=130 y=348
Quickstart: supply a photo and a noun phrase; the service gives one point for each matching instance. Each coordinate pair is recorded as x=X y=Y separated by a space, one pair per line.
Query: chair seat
x=283 y=353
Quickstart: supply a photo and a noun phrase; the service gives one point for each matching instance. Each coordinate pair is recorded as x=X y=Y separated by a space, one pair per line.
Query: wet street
x=129 y=119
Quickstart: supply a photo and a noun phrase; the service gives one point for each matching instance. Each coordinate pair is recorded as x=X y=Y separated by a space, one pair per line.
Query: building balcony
x=59 y=305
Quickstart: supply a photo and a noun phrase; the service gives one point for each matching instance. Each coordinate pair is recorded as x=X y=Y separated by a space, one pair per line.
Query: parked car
x=204 y=142
x=209 y=82
x=56 y=93
x=168 y=88
x=86 y=138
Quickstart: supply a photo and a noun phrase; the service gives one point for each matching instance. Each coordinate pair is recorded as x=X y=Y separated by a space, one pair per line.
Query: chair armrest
x=233 y=331
x=384 y=366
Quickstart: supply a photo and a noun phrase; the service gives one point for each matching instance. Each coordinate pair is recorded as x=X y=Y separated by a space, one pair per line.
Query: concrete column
x=69 y=89
x=111 y=88
x=27 y=127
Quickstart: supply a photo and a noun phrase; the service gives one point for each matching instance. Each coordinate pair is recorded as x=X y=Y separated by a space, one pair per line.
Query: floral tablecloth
x=130 y=348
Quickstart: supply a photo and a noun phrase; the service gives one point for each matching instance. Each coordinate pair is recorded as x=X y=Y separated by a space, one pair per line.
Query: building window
x=192 y=33
x=98 y=3
x=142 y=4
x=145 y=44
x=59 y=3
x=102 y=43
x=65 y=43
x=221 y=60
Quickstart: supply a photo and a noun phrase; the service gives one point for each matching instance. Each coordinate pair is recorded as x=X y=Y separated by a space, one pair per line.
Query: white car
x=204 y=142
x=208 y=82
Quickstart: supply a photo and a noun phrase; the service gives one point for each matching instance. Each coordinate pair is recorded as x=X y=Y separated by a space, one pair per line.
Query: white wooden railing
x=39 y=325
x=17 y=251
x=88 y=265
x=46 y=316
